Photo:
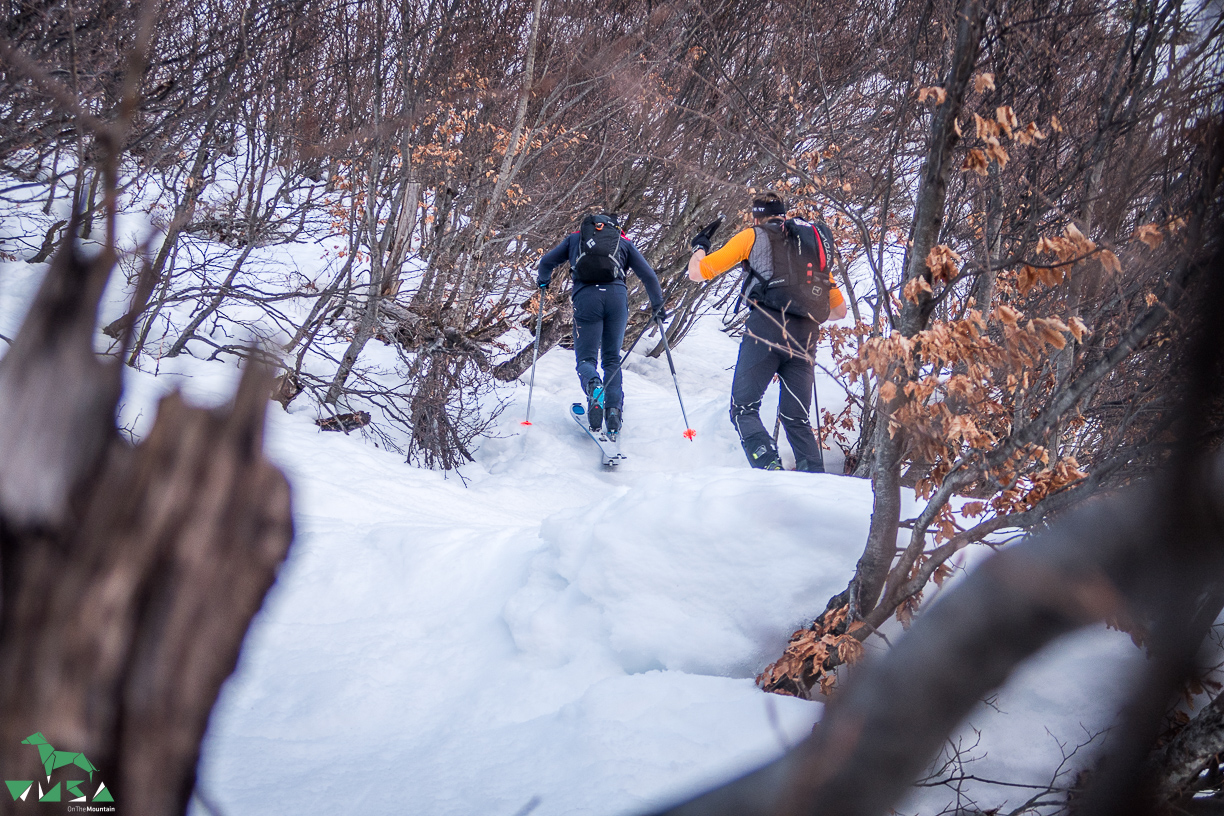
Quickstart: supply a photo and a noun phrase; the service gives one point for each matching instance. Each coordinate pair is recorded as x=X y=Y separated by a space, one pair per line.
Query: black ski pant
x=786 y=346
x=600 y=314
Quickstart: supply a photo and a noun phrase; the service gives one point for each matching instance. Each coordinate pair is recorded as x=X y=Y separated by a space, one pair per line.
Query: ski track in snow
x=539 y=630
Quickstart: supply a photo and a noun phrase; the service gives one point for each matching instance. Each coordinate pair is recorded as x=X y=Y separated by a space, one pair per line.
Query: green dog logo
x=51 y=760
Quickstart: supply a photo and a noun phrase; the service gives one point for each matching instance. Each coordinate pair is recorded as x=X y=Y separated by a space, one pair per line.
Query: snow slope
x=550 y=630
x=540 y=636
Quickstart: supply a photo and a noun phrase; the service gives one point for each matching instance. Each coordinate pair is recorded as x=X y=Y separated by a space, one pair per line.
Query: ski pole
x=535 y=355
x=819 y=444
x=632 y=346
x=689 y=433
x=628 y=351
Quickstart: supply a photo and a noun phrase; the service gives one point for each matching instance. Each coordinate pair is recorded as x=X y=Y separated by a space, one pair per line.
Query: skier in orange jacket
x=790 y=291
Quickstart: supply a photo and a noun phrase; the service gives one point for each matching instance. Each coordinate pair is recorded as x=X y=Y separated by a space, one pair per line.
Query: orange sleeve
x=835 y=295
x=738 y=249
x=729 y=254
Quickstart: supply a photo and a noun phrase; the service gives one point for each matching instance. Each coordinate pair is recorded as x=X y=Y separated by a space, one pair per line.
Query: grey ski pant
x=786 y=350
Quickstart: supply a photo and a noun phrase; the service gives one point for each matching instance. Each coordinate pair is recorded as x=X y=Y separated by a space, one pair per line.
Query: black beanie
x=767 y=207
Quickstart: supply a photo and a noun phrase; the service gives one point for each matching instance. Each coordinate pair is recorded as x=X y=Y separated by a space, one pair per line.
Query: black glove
x=702 y=239
x=659 y=313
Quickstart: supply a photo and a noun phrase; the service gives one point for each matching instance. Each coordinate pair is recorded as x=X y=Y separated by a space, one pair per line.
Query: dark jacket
x=627 y=254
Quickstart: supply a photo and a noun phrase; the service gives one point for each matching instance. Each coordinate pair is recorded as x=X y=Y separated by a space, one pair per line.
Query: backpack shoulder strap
x=827 y=248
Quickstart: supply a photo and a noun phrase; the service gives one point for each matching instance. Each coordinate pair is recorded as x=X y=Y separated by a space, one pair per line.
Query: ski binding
x=609 y=451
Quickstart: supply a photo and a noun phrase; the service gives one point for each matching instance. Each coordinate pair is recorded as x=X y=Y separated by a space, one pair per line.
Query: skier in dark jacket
x=780 y=333
x=601 y=311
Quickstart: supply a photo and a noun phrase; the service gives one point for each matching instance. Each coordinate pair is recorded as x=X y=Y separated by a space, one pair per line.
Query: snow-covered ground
x=541 y=636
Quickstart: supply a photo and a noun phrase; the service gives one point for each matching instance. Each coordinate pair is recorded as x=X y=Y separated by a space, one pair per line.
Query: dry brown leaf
x=987 y=130
x=1083 y=244
x=1051 y=330
x=1030 y=134
x=849 y=649
x=1078 y=329
x=943 y=262
x=838 y=615
x=905 y=612
x=1055 y=125
x=1110 y=262
x=1006 y=117
x=1028 y=279
x=1149 y=234
x=976 y=161
x=1008 y=315
x=934 y=91
x=916 y=285
x=983 y=81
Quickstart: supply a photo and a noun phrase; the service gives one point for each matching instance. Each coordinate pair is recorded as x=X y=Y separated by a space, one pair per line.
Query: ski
x=609 y=452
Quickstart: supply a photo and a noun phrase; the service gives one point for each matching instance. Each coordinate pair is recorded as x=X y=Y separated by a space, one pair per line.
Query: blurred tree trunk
x=129 y=574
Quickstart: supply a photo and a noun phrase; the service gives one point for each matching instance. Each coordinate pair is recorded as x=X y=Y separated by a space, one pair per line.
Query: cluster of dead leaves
x=1024 y=486
x=801 y=667
x=991 y=132
x=1072 y=247
x=1022 y=482
x=943 y=263
x=953 y=390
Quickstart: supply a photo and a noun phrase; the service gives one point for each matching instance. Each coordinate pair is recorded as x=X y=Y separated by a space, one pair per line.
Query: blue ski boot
x=612 y=418
x=595 y=398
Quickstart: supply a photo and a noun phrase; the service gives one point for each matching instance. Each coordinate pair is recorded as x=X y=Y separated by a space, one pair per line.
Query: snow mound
x=706 y=573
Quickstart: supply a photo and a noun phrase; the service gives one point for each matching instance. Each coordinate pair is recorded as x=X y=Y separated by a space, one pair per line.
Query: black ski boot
x=761 y=453
x=808 y=466
x=612 y=417
x=595 y=398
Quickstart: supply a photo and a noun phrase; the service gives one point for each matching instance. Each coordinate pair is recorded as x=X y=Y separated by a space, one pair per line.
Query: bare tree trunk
x=506 y=172
x=889 y=441
x=369 y=313
x=364 y=329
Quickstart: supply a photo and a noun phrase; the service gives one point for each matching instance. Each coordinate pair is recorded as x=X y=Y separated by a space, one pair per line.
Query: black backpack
x=599 y=239
x=799 y=284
